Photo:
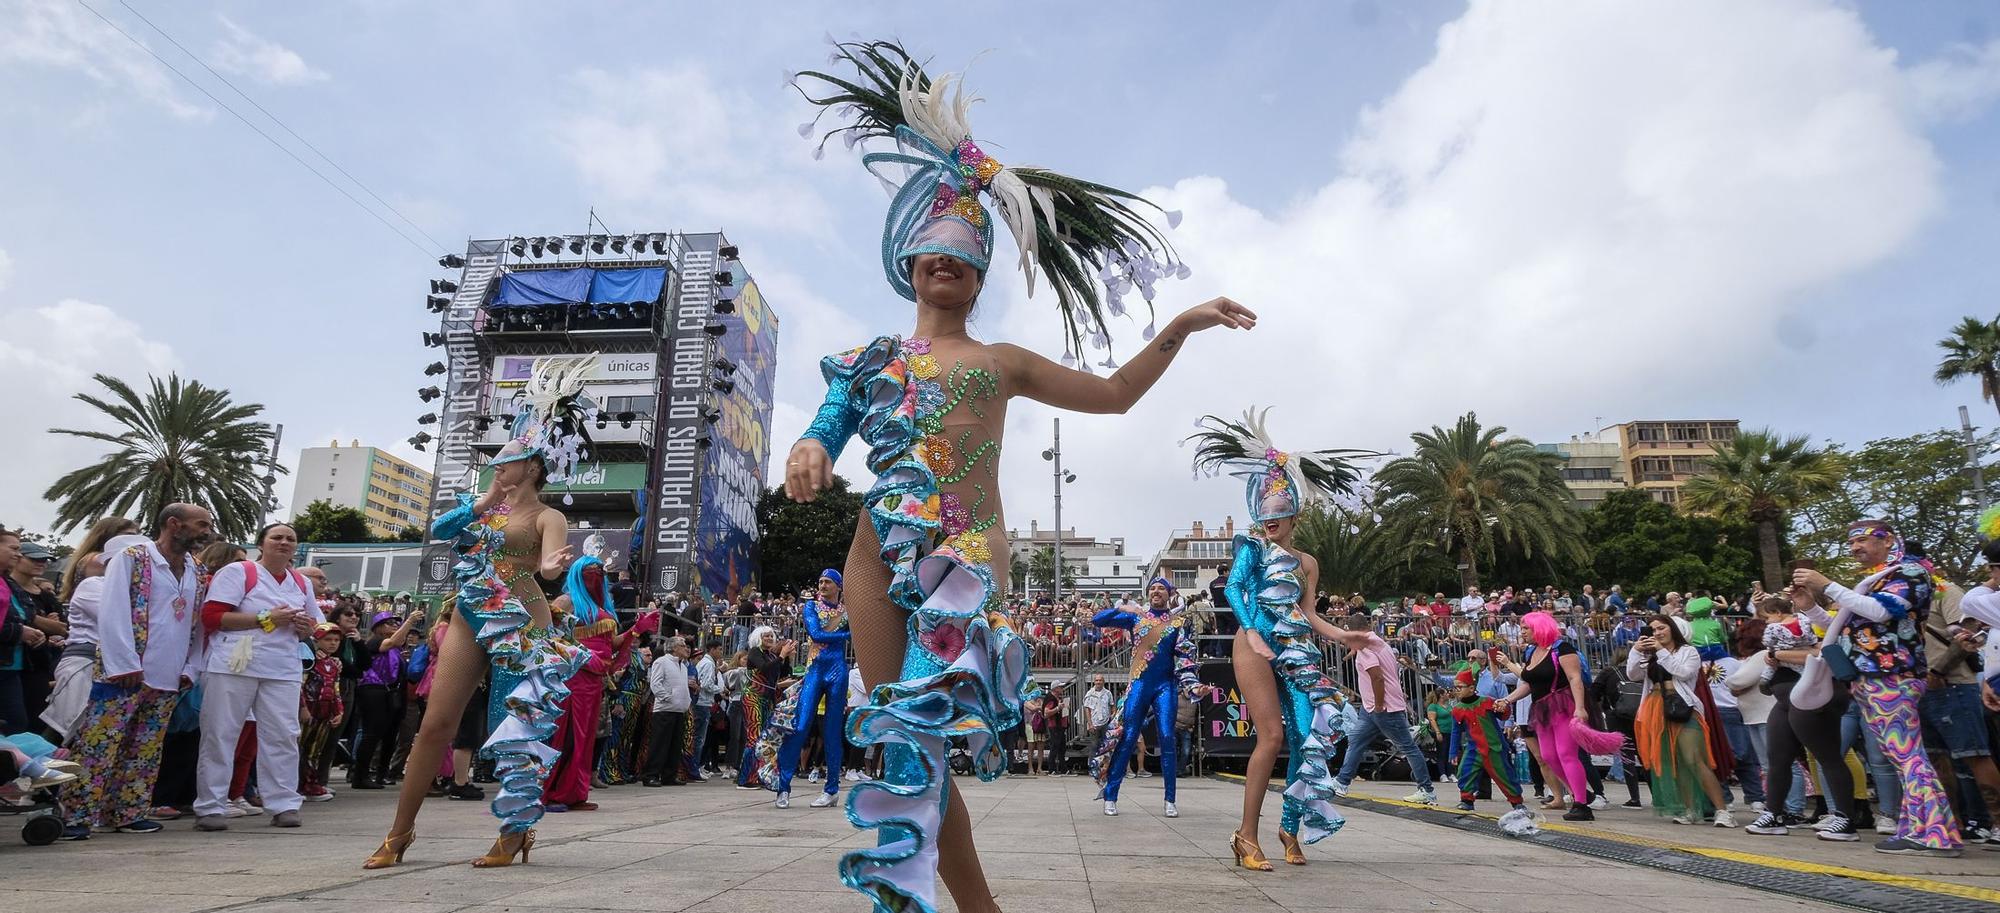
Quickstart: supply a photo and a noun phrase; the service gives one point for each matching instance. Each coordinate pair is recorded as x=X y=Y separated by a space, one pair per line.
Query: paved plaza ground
x=710 y=847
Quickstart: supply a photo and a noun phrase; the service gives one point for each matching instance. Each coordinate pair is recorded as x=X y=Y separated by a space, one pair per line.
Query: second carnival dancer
x=1163 y=666
x=926 y=604
x=1276 y=660
x=586 y=600
x=826 y=680
x=511 y=549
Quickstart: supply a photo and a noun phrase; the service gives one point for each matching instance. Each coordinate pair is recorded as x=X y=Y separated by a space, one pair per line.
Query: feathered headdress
x=1077 y=232
x=552 y=414
x=1244 y=449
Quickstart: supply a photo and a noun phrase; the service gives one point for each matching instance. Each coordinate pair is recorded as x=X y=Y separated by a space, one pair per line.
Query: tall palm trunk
x=1468 y=568
x=1767 y=548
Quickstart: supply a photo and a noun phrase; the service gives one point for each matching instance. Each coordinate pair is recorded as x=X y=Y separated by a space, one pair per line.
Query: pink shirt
x=1377 y=655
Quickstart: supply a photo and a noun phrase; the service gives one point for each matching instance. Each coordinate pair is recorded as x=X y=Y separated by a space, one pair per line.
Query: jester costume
x=596 y=630
x=930 y=507
x=1163 y=667
x=1265 y=593
x=826 y=679
x=531 y=668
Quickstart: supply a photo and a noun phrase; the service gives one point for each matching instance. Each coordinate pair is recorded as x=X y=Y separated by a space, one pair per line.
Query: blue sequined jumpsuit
x=825 y=677
x=1156 y=687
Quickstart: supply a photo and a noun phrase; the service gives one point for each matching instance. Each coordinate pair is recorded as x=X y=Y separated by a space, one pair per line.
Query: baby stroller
x=33 y=799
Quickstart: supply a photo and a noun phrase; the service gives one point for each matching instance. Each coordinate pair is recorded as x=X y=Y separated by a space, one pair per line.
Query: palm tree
x=1973 y=350
x=1042 y=573
x=1466 y=490
x=1761 y=478
x=1348 y=546
x=182 y=442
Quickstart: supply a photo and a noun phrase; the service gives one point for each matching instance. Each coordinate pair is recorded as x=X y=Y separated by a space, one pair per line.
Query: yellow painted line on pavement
x=1927 y=885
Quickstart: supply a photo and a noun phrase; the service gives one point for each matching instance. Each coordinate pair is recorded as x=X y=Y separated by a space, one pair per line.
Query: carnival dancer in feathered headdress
x=586 y=600
x=1163 y=667
x=1277 y=662
x=931 y=408
x=511 y=551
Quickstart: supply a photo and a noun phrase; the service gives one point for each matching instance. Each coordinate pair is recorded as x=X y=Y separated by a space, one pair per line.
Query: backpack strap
x=249 y=575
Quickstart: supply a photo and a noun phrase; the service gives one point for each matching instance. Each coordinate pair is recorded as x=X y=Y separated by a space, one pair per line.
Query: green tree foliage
x=1469 y=492
x=409 y=534
x=796 y=541
x=1972 y=351
x=1648 y=547
x=1041 y=571
x=1920 y=484
x=181 y=441
x=1761 y=478
x=324 y=521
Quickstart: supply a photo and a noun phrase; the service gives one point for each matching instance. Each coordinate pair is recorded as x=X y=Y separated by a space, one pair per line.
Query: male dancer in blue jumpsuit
x=826 y=677
x=1163 y=665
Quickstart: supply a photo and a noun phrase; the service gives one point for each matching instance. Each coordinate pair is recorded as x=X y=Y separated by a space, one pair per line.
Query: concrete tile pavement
x=708 y=848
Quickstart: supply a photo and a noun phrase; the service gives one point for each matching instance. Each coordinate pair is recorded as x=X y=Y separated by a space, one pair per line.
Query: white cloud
x=1959 y=84
x=63 y=35
x=1556 y=218
x=668 y=141
x=246 y=54
x=47 y=355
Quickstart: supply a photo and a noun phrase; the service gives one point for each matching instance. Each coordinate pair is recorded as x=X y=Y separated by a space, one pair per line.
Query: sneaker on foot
x=1899 y=846
x=141 y=826
x=285 y=819
x=1886 y=828
x=1111 y=809
x=1579 y=812
x=1769 y=825
x=465 y=791
x=1681 y=819
x=784 y=800
x=1173 y=812
x=1723 y=818
x=1630 y=803
x=76 y=832
x=1340 y=789
x=231 y=810
x=1757 y=807
x=1827 y=820
x=1421 y=797
x=211 y=823
x=1599 y=802
x=249 y=807
x=1841 y=829
x=825 y=800
x=326 y=796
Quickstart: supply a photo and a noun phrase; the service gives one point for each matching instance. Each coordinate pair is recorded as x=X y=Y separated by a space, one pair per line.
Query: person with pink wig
x=1558 y=713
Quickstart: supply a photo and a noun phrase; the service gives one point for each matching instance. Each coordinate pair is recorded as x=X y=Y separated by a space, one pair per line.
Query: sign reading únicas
x=514 y=370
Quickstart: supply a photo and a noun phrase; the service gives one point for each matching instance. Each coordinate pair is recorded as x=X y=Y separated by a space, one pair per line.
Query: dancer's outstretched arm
x=1042 y=380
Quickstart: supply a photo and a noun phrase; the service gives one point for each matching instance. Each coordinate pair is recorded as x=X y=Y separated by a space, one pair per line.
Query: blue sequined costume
x=1264 y=593
x=531 y=668
x=1158 y=680
x=826 y=677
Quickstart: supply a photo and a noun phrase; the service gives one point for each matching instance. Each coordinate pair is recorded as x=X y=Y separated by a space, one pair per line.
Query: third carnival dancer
x=594 y=626
x=926 y=604
x=1276 y=661
x=826 y=679
x=1163 y=666
x=511 y=548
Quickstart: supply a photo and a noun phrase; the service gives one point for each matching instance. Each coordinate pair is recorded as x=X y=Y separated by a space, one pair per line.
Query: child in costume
x=1163 y=666
x=1479 y=747
x=509 y=545
x=925 y=600
x=320 y=709
x=1277 y=661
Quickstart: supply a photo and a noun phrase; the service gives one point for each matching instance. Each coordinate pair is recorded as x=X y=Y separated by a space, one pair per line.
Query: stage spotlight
x=428 y=418
x=618 y=244
x=602 y=421
x=519 y=248
x=451 y=261
x=723 y=385
x=625 y=419
x=536 y=247
x=443 y=286
x=482 y=423
x=725 y=277
x=711 y=416
x=715 y=328
x=433 y=340
x=429 y=393
x=724 y=365
x=437 y=303
x=576 y=245
x=434 y=369
x=728 y=252
x=639 y=243
x=704 y=442
x=597 y=244
x=725 y=306
x=660 y=244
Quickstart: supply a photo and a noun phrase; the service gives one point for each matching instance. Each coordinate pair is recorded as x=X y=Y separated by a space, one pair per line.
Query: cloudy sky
x=1553 y=214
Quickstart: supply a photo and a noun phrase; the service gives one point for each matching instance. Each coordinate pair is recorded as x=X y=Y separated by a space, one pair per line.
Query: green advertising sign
x=591 y=477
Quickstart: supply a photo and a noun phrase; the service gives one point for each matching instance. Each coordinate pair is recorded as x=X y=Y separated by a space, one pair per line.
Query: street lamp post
x=1054 y=456
x=1971 y=460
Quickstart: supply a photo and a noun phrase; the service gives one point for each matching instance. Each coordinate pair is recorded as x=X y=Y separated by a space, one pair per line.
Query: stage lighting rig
x=724 y=365
x=618 y=244
x=660 y=244
x=434 y=369
x=728 y=252
x=597 y=244
x=428 y=418
x=576 y=245
x=482 y=423
x=519 y=248
x=433 y=340
x=725 y=277
x=436 y=303
x=723 y=385
x=704 y=441
x=711 y=415
x=451 y=261
x=429 y=393
x=443 y=286
x=715 y=328
x=537 y=246
x=625 y=419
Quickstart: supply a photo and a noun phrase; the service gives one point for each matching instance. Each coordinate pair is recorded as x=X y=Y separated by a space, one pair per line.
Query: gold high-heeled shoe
x=1294 y=854
x=506 y=848
x=391 y=851
x=1248 y=854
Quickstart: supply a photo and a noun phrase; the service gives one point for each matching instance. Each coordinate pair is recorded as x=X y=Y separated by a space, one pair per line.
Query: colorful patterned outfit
x=596 y=631
x=1264 y=593
x=758 y=765
x=1163 y=668
x=319 y=706
x=531 y=668
x=1481 y=748
x=826 y=678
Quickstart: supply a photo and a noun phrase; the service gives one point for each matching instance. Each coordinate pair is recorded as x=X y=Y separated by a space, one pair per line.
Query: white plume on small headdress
x=941 y=115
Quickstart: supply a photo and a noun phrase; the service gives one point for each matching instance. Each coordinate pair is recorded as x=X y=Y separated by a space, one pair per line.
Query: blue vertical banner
x=733 y=474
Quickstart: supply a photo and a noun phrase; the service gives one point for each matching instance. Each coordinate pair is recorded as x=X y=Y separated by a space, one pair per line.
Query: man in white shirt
x=669 y=678
x=708 y=684
x=1096 y=712
x=147 y=620
x=1473 y=603
x=857 y=695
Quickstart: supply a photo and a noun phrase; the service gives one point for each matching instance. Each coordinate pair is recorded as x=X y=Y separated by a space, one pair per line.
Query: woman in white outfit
x=256 y=614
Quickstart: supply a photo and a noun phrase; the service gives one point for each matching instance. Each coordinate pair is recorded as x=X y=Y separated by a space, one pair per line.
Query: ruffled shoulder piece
x=964 y=669
x=1298 y=665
